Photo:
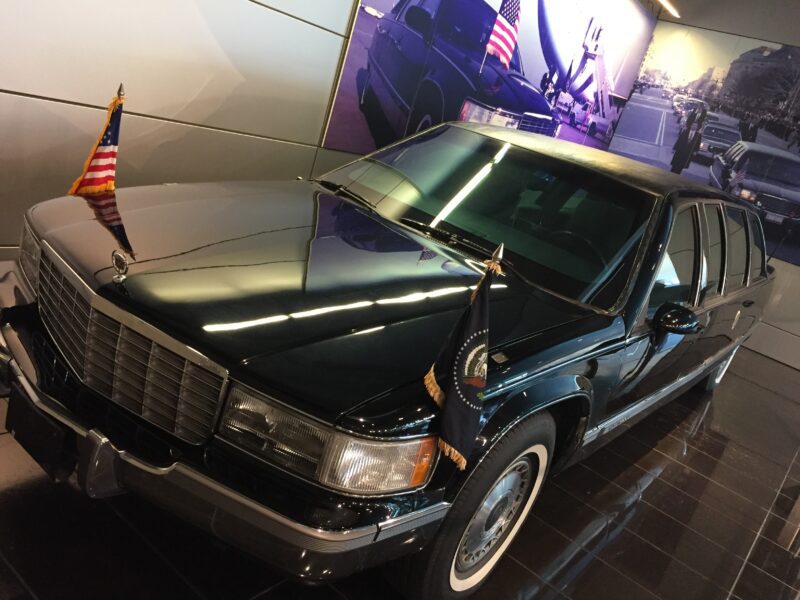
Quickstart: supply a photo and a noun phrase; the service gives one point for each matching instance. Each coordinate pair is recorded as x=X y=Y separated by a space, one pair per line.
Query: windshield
x=565 y=228
x=719 y=133
x=772 y=168
x=468 y=25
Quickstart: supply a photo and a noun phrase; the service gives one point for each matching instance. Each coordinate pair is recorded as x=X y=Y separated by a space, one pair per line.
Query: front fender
x=523 y=404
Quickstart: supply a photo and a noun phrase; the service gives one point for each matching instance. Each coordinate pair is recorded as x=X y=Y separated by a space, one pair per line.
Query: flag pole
x=480 y=71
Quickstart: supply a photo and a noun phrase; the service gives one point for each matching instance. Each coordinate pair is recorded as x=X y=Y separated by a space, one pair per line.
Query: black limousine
x=258 y=368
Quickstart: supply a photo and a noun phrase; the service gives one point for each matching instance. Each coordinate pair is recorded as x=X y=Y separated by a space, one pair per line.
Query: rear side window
x=716 y=247
x=737 y=249
x=757 y=266
x=676 y=273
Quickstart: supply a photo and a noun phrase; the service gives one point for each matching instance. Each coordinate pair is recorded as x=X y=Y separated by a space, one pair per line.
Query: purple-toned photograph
x=723 y=110
x=559 y=68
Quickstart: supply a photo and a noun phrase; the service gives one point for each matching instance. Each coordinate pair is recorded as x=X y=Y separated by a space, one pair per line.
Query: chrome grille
x=778 y=205
x=125 y=366
x=538 y=125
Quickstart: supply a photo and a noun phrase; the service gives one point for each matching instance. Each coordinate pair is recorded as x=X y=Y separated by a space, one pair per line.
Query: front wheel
x=485 y=517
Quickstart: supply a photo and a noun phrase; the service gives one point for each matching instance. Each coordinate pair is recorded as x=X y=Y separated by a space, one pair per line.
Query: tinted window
x=737 y=249
x=721 y=133
x=564 y=227
x=716 y=247
x=676 y=273
x=774 y=168
x=757 y=247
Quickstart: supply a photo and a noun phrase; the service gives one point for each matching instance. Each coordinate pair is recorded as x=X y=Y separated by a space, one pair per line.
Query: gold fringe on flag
x=433 y=387
x=453 y=454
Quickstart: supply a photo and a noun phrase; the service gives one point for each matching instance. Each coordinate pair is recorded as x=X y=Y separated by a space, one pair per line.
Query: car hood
x=764 y=186
x=302 y=294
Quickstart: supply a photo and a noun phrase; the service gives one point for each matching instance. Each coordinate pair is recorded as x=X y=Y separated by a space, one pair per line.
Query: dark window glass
x=716 y=247
x=737 y=249
x=757 y=248
x=564 y=227
x=676 y=273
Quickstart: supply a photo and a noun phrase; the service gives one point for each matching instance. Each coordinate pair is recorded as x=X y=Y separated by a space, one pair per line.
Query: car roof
x=770 y=150
x=642 y=176
x=721 y=125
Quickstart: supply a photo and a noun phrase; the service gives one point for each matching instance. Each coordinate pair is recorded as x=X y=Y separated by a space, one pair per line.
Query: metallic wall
x=216 y=90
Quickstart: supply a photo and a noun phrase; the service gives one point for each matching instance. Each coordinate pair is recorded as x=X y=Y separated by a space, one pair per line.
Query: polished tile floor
x=698 y=502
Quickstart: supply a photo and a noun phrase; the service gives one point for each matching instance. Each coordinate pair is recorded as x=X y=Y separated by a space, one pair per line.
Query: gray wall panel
x=51 y=141
x=331 y=14
x=330 y=159
x=234 y=65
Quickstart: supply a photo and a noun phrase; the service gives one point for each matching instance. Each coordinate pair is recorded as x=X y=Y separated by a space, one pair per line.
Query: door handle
x=748 y=303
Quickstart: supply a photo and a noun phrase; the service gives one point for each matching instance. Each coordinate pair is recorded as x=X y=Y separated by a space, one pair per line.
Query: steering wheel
x=586 y=241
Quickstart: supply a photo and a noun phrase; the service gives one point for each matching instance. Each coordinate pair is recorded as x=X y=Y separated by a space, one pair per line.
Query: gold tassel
x=453 y=454
x=433 y=388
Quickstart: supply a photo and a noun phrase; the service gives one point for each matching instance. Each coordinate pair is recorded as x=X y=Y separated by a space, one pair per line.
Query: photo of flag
x=503 y=39
x=97 y=182
x=457 y=378
x=740 y=176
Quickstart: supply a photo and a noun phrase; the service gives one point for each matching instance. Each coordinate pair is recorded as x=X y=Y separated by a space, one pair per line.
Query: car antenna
x=779 y=245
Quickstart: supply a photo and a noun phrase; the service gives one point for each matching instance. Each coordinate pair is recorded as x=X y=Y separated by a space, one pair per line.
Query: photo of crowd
x=724 y=110
x=562 y=68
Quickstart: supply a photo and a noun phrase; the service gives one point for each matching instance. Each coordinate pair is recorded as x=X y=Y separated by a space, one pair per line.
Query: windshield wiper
x=448 y=237
x=341 y=190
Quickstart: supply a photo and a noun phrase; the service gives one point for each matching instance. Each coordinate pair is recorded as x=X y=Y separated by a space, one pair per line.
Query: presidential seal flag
x=97 y=182
x=458 y=377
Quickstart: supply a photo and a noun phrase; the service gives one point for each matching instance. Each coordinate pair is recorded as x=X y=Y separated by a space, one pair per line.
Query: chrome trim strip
x=614 y=421
x=412 y=520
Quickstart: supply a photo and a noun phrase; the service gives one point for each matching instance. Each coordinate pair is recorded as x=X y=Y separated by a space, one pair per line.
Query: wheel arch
x=567 y=399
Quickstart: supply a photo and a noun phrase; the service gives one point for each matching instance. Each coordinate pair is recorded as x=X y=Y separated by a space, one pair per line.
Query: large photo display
x=724 y=110
x=563 y=68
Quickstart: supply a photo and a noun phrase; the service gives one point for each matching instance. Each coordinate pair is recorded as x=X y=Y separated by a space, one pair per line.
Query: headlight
x=29 y=254
x=703 y=146
x=473 y=112
x=332 y=458
x=748 y=195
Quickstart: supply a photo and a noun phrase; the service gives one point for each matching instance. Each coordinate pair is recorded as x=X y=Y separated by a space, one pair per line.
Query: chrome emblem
x=120 y=264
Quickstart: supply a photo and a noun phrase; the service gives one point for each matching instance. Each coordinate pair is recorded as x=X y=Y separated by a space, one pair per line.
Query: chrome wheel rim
x=495 y=516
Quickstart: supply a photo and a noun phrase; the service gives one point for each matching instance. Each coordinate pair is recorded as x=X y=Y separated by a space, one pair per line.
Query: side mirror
x=421 y=21
x=674 y=318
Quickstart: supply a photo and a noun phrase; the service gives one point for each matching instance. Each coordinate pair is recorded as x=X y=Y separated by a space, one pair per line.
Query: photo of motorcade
x=733 y=122
x=547 y=67
x=767 y=177
x=716 y=139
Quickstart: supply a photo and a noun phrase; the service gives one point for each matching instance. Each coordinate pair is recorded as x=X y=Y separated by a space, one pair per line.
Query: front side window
x=676 y=274
x=737 y=249
x=565 y=227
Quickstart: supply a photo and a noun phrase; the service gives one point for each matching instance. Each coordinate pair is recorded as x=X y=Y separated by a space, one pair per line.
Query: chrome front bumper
x=302 y=551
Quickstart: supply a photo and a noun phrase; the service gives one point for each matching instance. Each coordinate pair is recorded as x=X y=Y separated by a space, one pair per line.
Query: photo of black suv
x=427 y=64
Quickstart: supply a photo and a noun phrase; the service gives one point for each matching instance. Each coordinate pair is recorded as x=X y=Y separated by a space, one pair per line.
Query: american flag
x=105 y=210
x=96 y=183
x=740 y=175
x=100 y=168
x=503 y=39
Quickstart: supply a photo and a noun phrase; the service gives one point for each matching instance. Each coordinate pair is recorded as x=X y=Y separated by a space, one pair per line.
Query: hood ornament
x=120 y=264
